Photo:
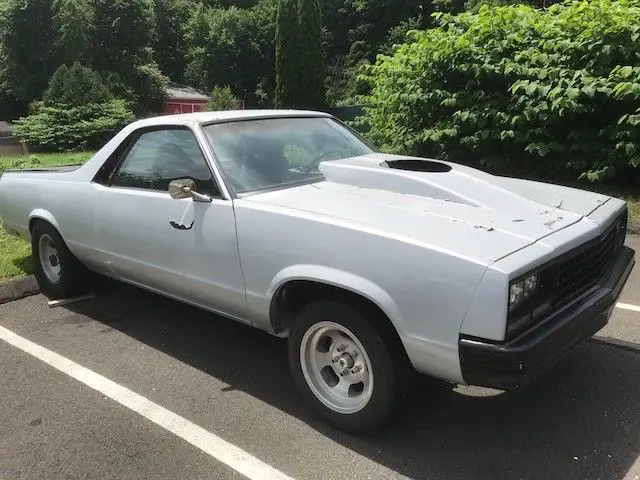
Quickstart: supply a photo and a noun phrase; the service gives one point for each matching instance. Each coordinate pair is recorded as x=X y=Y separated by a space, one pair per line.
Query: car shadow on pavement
x=581 y=420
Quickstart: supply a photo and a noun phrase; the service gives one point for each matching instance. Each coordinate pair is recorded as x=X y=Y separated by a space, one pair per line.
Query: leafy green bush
x=518 y=90
x=222 y=98
x=149 y=88
x=78 y=111
x=75 y=85
x=61 y=128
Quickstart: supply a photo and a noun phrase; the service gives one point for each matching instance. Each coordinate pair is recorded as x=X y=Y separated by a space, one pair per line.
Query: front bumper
x=513 y=364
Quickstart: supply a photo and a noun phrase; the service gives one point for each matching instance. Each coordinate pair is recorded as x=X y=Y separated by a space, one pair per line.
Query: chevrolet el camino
x=373 y=266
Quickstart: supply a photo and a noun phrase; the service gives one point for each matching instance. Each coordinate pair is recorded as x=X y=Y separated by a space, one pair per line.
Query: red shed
x=184 y=100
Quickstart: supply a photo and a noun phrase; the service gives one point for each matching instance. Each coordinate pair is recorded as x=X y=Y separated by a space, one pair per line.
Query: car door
x=183 y=248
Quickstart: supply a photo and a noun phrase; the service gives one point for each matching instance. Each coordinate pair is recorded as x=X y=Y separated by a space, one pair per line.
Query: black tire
x=385 y=365
x=73 y=275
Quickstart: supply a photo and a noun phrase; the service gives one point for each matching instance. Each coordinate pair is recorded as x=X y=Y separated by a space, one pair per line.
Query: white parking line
x=221 y=450
x=628 y=306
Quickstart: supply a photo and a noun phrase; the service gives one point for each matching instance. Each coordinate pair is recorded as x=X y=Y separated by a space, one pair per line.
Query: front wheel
x=342 y=366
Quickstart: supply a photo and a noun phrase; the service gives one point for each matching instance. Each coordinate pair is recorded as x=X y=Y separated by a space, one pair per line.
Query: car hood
x=448 y=206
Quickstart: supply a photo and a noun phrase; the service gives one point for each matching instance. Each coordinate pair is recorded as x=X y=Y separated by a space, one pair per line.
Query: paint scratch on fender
x=484 y=227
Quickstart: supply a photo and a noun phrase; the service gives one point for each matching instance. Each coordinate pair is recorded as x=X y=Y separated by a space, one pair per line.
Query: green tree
x=75 y=86
x=222 y=98
x=300 y=72
x=72 y=22
x=113 y=37
x=170 y=44
x=122 y=36
x=357 y=28
x=287 y=54
x=197 y=32
x=233 y=47
x=232 y=52
x=30 y=53
x=312 y=92
x=264 y=17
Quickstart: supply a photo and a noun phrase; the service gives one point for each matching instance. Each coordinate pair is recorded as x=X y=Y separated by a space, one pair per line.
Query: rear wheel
x=343 y=367
x=58 y=272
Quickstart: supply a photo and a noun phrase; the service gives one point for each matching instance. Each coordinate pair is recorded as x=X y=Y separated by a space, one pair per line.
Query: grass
x=43 y=159
x=634 y=208
x=633 y=202
x=15 y=253
x=15 y=257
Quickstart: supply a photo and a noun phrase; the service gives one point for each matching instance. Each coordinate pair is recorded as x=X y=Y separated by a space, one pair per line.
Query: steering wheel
x=318 y=160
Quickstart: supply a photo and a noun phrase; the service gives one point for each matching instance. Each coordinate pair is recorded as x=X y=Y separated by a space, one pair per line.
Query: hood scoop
x=413 y=165
x=404 y=175
x=433 y=179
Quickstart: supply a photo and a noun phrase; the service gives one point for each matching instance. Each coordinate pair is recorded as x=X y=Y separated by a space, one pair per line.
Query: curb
x=18 y=288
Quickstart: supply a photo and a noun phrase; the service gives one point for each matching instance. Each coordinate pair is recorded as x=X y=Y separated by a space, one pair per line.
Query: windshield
x=278 y=152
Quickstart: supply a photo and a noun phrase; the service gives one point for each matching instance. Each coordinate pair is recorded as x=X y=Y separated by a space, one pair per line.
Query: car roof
x=222 y=116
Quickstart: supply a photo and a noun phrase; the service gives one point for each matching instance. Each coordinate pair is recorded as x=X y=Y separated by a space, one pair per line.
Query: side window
x=160 y=156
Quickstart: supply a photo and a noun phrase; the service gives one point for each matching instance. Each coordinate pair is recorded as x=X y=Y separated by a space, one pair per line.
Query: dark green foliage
x=232 y=52
x=87 y=127
x=311 y=69
x=398 y=34
x=343 y=86
x=113 y=37
x=222 y=98
x=233 y=47
x=78 y=111
x=122 y=35
x=29 y=53
x=264 y=15
x=72 y=23
x=300 y=72
x=357 y=30
x=287 y=69
x=149 y=87
x=170 y=44
x=75 y=86
x=541 y=93
x=135 y=44
x=196 y=33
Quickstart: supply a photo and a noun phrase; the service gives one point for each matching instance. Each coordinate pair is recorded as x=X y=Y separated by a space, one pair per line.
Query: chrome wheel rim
x=336 y=367
x=49 y=258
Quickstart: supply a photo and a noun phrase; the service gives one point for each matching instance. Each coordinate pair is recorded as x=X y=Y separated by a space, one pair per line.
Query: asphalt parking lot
x=204 y=380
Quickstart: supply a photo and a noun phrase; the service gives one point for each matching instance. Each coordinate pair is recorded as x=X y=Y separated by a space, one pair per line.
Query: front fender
x=341 y=279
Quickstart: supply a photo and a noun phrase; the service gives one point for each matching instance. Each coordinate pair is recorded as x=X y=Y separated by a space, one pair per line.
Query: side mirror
x=186 y=188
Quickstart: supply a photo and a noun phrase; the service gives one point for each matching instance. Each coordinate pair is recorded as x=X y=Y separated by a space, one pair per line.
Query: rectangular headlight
x=516 y=294
x=522 y=290
x=530 y=286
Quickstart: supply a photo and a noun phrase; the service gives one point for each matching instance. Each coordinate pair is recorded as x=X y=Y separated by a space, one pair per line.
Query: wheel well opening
x=33 y=221
x=291 y=297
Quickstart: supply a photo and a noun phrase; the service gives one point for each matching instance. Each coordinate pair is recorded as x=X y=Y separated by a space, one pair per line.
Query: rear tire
x=343 y=368
x=58 y=272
